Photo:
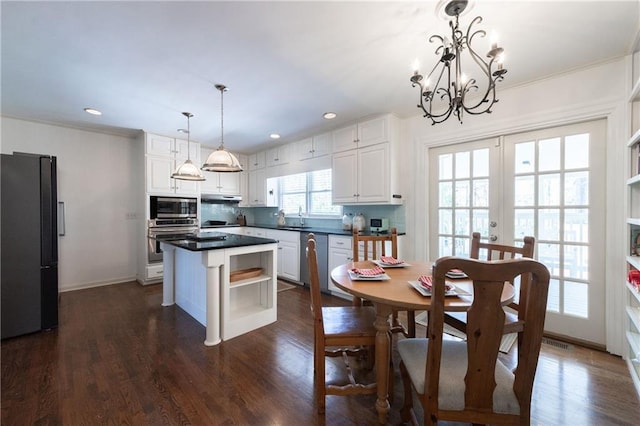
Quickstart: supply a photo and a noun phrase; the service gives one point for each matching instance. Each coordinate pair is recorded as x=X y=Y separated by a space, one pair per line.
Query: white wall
x=99 y=180
x=597 y=92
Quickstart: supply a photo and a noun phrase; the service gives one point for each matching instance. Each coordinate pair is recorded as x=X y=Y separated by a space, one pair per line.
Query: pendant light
x=188 y=170
x=221 y=160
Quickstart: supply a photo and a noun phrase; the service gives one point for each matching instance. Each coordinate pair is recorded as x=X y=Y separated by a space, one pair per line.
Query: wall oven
x=172 y=207
x=172 y=228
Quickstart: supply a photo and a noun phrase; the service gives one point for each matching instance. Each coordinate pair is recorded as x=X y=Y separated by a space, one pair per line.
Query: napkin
x=390 y=260
x=368 y=272
x=426 y=281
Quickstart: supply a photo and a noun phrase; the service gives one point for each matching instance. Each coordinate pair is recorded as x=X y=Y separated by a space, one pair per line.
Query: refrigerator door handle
x=61 y=221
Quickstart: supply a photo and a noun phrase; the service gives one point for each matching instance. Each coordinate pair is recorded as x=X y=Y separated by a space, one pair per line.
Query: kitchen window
x=310 y=192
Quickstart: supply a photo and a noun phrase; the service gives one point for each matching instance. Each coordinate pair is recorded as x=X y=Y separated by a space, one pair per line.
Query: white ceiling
x=285 y=63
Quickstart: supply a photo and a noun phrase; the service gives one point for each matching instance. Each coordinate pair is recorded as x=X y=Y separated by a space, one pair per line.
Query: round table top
x=397 y=291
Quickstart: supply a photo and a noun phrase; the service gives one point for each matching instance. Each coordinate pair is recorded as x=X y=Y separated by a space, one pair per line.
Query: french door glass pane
x=463 y=191
x=445 y=246
x=445 y=169
x=462 y=222
x=524 y=191
x=549 y=190
x=553 y=299
x=576 y=189
x=525 y=157
x=549 y=154
x=549 y=224
x=576 y=148
x=463 y=160
x=524 y=223
x=549 y=254
x=481 y=193
x=480 y=163
x=576 y=262
x=576 y=225
x=446 y=221
x=480 y=222
x=445 y=198
x=576 y=299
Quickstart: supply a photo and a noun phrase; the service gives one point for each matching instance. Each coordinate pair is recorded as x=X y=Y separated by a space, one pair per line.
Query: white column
x=168 y=274
x=212 y=260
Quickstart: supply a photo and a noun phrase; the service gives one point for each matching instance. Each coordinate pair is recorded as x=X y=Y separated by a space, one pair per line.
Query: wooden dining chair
x=489 y=251
x=464 y=381
x=374 y=246
x=341 y=331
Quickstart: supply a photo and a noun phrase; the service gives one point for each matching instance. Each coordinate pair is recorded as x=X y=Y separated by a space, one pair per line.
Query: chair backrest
x=374 y=245
x=485 y=322
x=491 y=251
x=314 y=283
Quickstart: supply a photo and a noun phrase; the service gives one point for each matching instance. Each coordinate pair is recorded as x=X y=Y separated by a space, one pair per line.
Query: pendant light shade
x=221 y=160
x=188 y=170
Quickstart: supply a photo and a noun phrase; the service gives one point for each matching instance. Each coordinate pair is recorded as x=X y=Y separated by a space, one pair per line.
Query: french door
x=548 y=184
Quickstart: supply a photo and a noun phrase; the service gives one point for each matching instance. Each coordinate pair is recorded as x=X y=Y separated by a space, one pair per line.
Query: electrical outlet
x=132 y=216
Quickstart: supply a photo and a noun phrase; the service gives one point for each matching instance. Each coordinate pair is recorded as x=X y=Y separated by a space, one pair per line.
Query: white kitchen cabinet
x=257 y=161
x=163 y=156
x=368 y=173
x=340 y=252
x=278 y=155
x=288 y=253
x=262 y=191
x=314 y=147
x=219 y=183
x=370 y=132
x=362 y=176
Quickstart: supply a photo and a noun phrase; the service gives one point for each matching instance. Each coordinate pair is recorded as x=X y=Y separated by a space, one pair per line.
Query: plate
x=456 y=274
x=387 y=265
x=356 y=277
x=423 y=291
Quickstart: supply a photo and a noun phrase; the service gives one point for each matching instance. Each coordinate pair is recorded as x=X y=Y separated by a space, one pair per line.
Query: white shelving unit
x=632 y=294
x=249 y=303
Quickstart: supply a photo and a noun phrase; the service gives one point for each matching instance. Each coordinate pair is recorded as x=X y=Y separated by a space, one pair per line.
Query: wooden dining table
x=396 y=292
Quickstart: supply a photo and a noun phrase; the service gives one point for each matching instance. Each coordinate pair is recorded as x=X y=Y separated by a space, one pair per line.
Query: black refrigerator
x=29 y=246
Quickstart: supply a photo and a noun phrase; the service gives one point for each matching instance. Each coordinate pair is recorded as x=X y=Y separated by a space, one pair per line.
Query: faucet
x=300 y=215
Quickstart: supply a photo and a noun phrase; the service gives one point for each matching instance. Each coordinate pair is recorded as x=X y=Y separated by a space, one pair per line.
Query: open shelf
x=633 y=180
x=249 y=281
x=634 y=316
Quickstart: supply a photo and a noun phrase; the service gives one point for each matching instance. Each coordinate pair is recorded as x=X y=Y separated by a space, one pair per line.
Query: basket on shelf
x=243 y=274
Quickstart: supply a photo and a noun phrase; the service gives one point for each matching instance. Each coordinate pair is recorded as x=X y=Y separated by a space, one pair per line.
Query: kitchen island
x=226 y=282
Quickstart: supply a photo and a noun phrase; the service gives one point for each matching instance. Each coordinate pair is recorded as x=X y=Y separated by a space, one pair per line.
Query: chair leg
x=407 y=405
x=319 y=377
x=356 y=301
x=411 y=323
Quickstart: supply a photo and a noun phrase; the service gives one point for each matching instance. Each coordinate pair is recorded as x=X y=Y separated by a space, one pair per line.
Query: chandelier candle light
x=221 y=160
x=452 y=92
x=188 y=170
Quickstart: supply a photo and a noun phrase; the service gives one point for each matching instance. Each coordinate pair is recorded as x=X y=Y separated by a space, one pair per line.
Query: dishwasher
x=322 y=255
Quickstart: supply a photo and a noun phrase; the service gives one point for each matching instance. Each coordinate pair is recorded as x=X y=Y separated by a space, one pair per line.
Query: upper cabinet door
x=194 y=151
x=257 y=160
x=321 y=144
x=373 y=131
x=159 y=145
x=277 y=156
x=345 y=138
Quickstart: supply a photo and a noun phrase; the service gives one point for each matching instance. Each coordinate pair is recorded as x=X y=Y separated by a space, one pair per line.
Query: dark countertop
x=314 y=229
x=229 y=241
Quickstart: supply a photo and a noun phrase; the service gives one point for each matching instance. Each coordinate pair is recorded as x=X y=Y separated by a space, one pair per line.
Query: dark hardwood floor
x=118 y=357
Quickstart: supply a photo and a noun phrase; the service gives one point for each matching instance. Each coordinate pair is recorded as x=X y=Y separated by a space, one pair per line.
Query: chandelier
x=221 y=160
x=448 y=91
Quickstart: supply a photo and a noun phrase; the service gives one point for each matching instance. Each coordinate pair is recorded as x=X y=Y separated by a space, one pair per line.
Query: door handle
x=61 y=222
x=493 y=238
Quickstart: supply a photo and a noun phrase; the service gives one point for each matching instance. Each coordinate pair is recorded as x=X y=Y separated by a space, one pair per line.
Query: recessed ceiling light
x=329 y=115
x=92 y=111
x=274 y=136
x=185 y=131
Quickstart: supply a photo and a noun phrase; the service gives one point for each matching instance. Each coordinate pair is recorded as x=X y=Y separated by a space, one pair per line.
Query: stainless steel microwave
x=172 y=207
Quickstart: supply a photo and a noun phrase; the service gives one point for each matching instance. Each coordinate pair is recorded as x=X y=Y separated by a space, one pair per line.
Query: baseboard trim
x=83 y=286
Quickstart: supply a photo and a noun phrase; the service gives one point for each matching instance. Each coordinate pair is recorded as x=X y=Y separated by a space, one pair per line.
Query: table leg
x=383 y=353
